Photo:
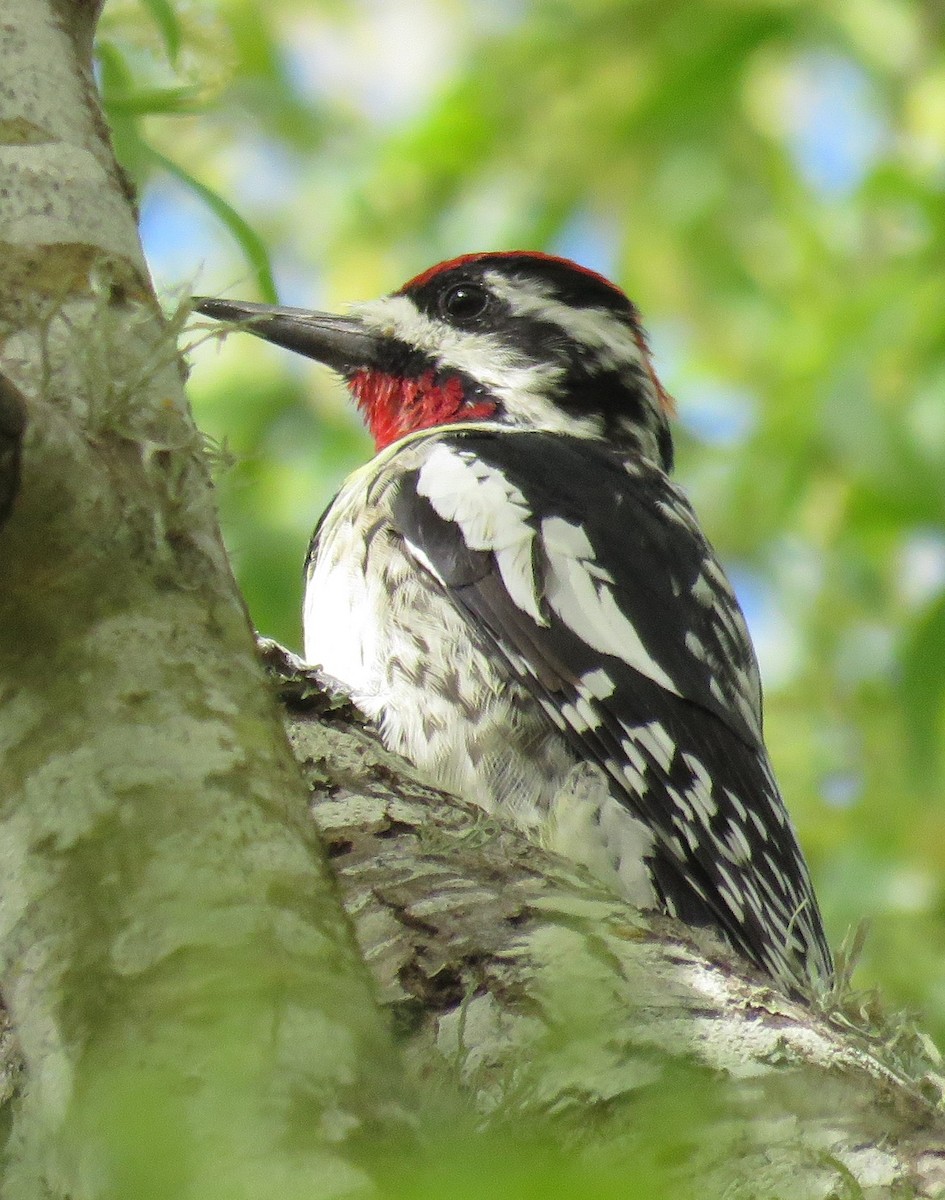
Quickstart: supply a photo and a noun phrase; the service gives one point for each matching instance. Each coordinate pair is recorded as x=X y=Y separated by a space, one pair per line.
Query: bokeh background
x=766 y=180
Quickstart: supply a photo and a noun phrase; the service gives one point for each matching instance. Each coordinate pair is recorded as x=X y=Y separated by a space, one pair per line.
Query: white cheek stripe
x=483 y=356
x=521 y=385
x=613 y=338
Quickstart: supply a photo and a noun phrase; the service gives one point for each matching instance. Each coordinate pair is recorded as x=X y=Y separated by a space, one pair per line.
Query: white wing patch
x=699 y=793
x=634 y=766
x=493 y=515
x=703 y=591
x=581 y=715
x=577 y=588
x=651 y=738
x=491 y=512
x=598 y=684
x=676 y=513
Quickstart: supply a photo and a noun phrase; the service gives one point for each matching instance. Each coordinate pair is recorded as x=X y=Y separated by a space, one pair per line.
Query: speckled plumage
x=521 y=599
x=483 y=633
x=439 y=696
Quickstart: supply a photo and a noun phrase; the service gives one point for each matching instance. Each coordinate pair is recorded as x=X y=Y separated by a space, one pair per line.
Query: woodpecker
x=518 y=596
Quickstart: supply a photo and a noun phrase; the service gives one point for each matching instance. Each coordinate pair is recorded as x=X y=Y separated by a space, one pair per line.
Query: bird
x=519 y=597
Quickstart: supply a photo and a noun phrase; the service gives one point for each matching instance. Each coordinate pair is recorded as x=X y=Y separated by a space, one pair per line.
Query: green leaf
x=248 y=239
x=155 y=100
x=164 y=17
x=923 y=691
x=117 y=80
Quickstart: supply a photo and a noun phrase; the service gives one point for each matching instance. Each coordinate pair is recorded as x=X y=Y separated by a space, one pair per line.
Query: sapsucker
x=521 y=599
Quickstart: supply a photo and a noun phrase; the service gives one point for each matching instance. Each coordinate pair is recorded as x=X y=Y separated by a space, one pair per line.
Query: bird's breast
x=384 y=627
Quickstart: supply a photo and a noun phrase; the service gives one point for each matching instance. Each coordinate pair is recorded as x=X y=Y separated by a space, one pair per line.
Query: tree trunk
x=190 y=1012
x=168 y=924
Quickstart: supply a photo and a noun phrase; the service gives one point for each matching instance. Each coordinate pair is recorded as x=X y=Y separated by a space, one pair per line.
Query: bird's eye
x=464 y=301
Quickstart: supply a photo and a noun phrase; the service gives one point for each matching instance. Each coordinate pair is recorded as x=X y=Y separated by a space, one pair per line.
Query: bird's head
x=517 y=338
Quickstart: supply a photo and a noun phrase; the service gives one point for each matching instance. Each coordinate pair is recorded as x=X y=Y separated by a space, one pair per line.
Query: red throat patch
x=394 y=406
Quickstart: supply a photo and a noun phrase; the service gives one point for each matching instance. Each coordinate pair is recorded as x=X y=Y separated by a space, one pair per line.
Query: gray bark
x=167 y=922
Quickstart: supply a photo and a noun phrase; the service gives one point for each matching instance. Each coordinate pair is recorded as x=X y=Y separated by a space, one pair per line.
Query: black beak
x=341 y=343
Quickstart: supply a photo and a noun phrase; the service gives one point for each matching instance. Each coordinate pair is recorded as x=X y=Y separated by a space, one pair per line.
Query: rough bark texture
x=513 y=980
x=513 y=974
x=192 y=1017
x=167 y=922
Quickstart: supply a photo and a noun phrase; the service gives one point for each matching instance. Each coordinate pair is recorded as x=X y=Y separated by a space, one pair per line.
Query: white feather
x=491 y=512
x=612 y=337
x=597 y=683
x=587 y=605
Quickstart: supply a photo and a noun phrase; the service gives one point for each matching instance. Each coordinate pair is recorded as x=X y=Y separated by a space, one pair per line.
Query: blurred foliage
x=765 y=178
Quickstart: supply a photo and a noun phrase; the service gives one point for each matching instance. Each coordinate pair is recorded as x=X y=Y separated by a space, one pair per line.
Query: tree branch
x=514 y=975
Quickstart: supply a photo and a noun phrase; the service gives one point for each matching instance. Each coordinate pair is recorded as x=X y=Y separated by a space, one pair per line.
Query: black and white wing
x=594 y=584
